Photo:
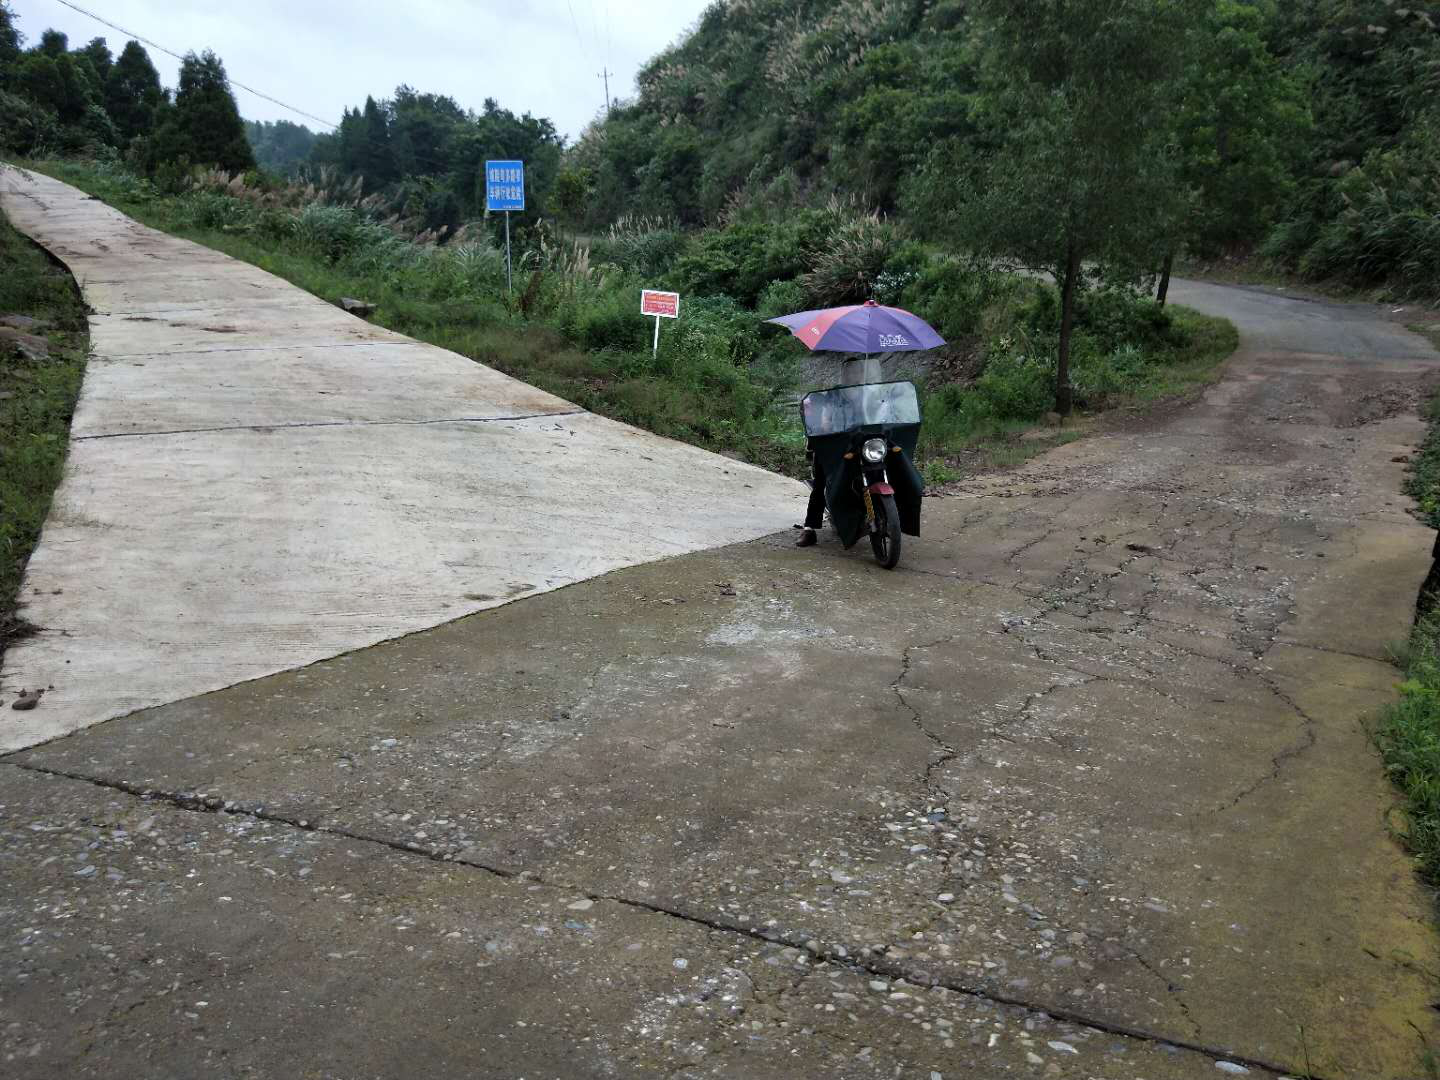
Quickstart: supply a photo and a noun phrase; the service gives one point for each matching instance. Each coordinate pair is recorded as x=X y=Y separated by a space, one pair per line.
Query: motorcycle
x=863 y=438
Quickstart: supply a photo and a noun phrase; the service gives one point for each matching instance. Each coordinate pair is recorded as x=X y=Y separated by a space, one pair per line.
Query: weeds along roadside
x=1408 y=732
x=722 y=380
x=39 y=384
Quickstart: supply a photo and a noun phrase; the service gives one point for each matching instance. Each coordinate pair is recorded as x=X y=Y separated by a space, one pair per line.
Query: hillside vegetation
x=1308 y=127
x=721 y=379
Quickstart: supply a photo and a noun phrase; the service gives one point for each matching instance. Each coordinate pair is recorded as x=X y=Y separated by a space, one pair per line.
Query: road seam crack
x=332 y=424
x=194 y=802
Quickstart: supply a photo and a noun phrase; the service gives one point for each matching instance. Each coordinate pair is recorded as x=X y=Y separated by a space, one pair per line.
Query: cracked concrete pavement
x=1082 y=789
x=258 y=480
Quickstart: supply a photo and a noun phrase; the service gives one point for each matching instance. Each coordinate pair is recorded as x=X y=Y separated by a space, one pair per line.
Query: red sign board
x=665 y=305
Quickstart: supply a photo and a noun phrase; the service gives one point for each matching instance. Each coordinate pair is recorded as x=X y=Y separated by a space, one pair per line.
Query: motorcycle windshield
x=844 y=408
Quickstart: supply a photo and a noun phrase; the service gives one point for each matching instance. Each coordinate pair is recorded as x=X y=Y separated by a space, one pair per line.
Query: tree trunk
x=1064 y=396
x=1164 y=289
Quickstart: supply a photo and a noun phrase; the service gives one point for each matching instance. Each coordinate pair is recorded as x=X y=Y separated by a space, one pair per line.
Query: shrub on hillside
x=645 y=246
x=1016 y=385
x=210 y=210
x=1388 y=227
x=333 y=232
x=781 y=298
x=739 y=261
x=1107 y=318
x=607 y=320
x=954 y=295
x=845 y=266
x=26 y=129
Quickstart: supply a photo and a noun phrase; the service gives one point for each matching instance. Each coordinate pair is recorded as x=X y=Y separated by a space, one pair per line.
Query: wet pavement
x=1083 y=789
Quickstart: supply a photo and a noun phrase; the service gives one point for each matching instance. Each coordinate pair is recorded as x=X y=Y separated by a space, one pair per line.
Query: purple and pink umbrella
x=861 y=328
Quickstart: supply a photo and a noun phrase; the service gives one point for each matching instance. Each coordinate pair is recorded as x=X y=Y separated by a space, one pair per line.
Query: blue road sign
x=504 y=185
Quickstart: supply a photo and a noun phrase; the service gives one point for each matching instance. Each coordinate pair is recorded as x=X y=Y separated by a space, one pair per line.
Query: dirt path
x=1082 y=790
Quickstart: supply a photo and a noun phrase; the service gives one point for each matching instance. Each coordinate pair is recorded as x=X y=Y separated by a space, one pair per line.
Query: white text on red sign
x=666 y=305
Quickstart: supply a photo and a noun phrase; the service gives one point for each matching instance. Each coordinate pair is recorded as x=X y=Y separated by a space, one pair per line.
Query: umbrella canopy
x=861 y=328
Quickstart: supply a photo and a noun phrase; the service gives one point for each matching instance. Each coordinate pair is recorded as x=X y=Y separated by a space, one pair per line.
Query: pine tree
x=98 y=53
x=377 y=157
x=10 y=42
x=1073 y=99
x=133 y=95
x=204 y=127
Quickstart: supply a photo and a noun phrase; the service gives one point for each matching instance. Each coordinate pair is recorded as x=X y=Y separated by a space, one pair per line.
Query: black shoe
x=807 y=538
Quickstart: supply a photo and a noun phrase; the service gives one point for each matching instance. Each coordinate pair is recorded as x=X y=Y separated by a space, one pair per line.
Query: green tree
x=1241 y=125
x=133 y=95
x=61 y=84
x=1072 y=96
x=423 y=128
x=10 y=42
x=280 y=146
x=376 y=157
x=204 y=127
x=98 y=53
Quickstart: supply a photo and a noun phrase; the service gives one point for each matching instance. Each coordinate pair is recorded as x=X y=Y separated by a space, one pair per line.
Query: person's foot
x=807 y=538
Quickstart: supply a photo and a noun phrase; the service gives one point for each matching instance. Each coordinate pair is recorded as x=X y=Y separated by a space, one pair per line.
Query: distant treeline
x=420 y=155
x=54 y=99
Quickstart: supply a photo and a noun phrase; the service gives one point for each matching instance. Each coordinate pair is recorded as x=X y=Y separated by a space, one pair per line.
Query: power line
x=594 y=23
x=574 y=22
x=177 y=56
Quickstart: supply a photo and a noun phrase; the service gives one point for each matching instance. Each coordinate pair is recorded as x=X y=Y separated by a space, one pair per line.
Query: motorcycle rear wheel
x=885 y=537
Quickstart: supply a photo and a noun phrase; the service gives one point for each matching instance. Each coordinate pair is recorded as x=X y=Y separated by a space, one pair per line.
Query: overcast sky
x=323 y=55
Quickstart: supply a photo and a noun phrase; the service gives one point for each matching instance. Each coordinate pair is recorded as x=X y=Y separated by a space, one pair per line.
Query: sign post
x=663 y=305
x=505 y=190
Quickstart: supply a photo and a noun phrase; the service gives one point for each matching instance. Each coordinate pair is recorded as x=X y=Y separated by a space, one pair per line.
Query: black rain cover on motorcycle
x=847 y=508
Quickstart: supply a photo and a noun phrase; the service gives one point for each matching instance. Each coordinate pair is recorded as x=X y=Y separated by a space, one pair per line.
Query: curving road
x=1083 y=790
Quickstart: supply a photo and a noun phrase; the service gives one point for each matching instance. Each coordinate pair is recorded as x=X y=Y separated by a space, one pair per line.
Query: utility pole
x=605 y=74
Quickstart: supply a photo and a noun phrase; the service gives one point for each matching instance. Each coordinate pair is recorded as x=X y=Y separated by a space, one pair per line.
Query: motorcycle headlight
x=873 y=451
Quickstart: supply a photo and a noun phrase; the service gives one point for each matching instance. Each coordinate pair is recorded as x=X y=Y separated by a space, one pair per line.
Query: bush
x=610 y=320
x=739 y=261
x=1105 y=319
x=333 y=232
x=173 y=177
x=954 y=296
x=1017 y=386
x=1099 y=376
x=25 y=128
x=1116 y=318
x=208 y=210
x=845 y=267
x=781 y=298
x=713 y=337
x=648 y=247
x=1379 y=225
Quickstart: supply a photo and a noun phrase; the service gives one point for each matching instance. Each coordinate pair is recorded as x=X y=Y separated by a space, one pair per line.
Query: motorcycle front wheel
x=885 y=535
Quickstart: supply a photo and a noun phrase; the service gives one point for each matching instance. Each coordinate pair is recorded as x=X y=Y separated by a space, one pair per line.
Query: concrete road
x=1081 y=790
x=258 y=480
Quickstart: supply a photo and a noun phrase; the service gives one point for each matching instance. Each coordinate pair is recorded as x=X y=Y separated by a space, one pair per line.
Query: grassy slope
x=37 y=399
x=952 y=444
x=484 y=332
x=1408 y=733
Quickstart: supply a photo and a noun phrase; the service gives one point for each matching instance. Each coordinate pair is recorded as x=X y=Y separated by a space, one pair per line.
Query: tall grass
x=1409 y=739
x=721 y=379
x=37 y=399
x=1408 y=733
x=1379 y=226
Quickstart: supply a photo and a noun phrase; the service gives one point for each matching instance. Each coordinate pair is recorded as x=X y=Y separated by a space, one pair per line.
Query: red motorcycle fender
x=881 y=488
